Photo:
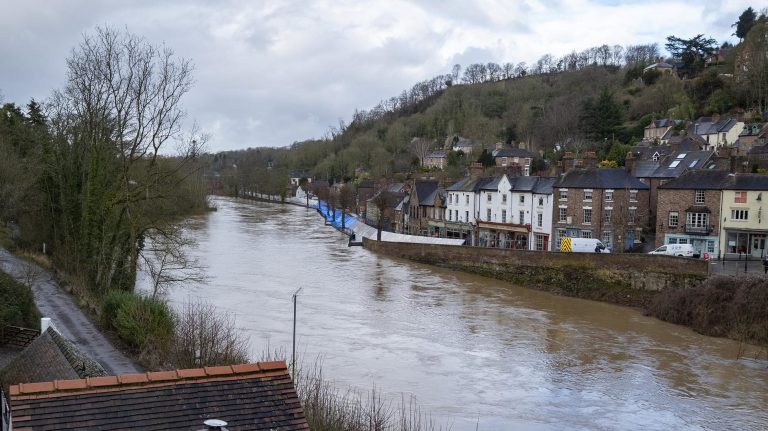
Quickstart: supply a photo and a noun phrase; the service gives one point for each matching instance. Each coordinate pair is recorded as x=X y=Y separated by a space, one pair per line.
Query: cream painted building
x=744 y=208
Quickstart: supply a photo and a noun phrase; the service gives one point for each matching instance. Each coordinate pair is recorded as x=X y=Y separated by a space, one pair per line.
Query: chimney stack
x=629 y=163
x=590 y=159
x=475 y=170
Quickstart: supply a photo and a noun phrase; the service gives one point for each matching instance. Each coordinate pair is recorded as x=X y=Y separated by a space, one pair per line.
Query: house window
x=466 y=216
x=504 y=198
x=522 y=199
x=710 y=246
x=741 y=198
x=682 y=240
x=503 y=216
x=540 y=220
x=527 y=170
x=607 y=215
x=606 y=237
x=561 y=216
x=609 y=195
x=699 y=197
x=632 y=214
x=587 y=195
x=541 y=202
x=674 y=218
x=488 y=197
x=488 y=215
x=697 y=220
x=522 y=217
x=504 y=161
x=586 y=234
x=467 y=199
x=633 y=195
x=587 y=215
x=739 y=214
x=563 y=194
x=540 y=242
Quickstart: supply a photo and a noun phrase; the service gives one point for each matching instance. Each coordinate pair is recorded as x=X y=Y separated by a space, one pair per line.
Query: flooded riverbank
x=472 y=350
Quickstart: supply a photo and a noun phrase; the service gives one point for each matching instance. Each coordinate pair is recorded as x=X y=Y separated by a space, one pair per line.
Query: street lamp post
x=293 y=352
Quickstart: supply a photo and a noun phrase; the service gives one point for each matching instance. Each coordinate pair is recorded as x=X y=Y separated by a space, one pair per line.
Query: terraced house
x=745 y=220
x=608 y=204
x=689 y=210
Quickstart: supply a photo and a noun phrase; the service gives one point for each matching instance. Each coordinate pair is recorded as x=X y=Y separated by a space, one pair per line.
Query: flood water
x=473 y=351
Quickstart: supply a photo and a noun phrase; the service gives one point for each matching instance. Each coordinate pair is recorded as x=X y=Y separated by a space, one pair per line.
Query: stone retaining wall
x=629 y=279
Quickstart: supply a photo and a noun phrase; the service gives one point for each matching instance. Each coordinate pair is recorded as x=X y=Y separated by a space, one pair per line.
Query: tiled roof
x=677 y=163
x=544 y=185
x=512 y=152
x=747 y=182
x=424 y=189
x=705 y=127
x=600 y=179
x=467 y=184
x=50 y=357
x=699 y=179
x=437 y=154
x=523 y=184
x=258 y=396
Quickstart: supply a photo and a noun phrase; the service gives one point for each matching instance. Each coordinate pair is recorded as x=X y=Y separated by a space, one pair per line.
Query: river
x=473 y=351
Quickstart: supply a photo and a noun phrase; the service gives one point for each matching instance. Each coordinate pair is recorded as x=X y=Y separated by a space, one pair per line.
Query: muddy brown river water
x=473 y=351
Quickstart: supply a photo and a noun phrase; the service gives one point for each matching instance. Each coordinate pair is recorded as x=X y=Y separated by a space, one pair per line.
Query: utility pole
x=293 y=352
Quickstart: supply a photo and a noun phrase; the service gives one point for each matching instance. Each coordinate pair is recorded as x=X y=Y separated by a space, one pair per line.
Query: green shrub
x=141 y=322
x=17 y=307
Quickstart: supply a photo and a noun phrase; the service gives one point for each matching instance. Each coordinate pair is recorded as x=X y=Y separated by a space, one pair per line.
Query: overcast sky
x=270 y=73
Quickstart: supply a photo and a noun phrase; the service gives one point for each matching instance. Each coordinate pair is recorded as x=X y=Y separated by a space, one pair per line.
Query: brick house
x=608 y=204
x=418 y=207
x=688 y=210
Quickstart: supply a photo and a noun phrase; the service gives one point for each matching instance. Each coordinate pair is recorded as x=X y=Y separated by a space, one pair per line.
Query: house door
x=758 y=245
x=630 y=241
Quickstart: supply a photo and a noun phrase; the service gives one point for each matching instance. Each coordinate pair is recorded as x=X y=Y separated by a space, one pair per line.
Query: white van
x=582 y=245
x=684 y=250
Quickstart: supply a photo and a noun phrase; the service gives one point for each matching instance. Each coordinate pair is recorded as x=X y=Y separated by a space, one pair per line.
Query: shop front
x=503 y=235
x=745 y=242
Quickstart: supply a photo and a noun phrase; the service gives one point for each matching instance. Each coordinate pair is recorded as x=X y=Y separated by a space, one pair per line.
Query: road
x=67 y=317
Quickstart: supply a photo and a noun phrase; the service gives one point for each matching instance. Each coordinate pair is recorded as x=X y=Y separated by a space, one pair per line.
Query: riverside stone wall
x=629 y=279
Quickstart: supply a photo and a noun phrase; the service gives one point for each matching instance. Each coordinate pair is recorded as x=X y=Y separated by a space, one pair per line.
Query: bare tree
x=421 y=147
x=120 y=106
x=206 y=337
x=383 y=200
x=167 y=260
x=346 y=200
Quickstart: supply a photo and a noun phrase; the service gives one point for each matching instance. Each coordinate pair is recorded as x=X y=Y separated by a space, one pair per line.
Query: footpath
x=67 y=317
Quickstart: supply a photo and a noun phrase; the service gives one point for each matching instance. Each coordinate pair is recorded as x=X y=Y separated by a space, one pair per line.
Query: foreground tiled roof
x=257 y=396
x=49 y=357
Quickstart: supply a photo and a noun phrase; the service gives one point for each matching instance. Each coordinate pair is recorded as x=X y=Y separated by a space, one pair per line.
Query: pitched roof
x=50 y=357
x=704 y=126
x=523 y=184
x=467 y=184
x=699 y=179
x=600 y=179
x=675 y=165
x=258 y=396
x=544 y=185
x=424 y=189
x=512 y=152
x=747 y=182
x=436 y=154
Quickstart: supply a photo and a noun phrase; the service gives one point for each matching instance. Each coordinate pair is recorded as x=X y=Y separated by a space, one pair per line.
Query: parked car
x=582 y=245
x=684 y=250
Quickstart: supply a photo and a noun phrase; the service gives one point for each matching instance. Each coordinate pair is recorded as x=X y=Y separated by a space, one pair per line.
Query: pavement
x=67 y=317
x=754 y=266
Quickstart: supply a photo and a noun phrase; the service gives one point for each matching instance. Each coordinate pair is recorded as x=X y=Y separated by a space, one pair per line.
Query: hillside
x=555 y=105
